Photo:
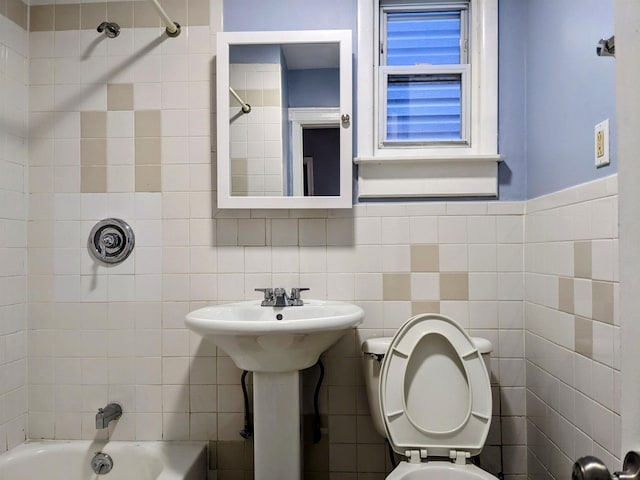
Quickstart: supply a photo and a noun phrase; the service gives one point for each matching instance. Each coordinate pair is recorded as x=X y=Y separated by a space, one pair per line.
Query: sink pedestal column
x=276 y=426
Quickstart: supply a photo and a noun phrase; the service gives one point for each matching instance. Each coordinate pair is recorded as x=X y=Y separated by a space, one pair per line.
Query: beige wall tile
x=93 y=179
x=93 y=125
x=121 y=13
x=582 y=259
x=17 y=11
x=565 y=295
x=67 y=17
x=454 y=286
x=147 y=124
x=41 y=18
x=148 y=178
x=120 y=96
x=177 y=10
x=602 y=301
x=425 y=258
x=271 y=98
x=198 y=11
x=396 y=286
x=255 y=98
x=93 y=151
x=93 y=14
x=148 y=151
x=424 y=307
x=583 y=336
x=144 y=15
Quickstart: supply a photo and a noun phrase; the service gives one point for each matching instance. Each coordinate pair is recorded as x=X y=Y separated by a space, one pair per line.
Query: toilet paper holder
x=111 y=241
x=592 y=468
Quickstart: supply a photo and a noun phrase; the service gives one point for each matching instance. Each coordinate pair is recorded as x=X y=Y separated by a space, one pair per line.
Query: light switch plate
x=601 y=143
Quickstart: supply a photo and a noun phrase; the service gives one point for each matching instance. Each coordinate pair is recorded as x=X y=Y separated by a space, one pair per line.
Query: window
x=424 y=75
x=430 y=90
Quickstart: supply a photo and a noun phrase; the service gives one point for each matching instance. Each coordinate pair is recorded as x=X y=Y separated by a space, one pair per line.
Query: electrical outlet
x=601 y=147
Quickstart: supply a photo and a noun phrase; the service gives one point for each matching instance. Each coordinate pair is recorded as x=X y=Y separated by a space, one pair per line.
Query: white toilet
x=431 y=397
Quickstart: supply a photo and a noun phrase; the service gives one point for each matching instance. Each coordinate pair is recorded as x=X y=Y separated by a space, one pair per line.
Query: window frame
x=451 y=169
x=463 y=68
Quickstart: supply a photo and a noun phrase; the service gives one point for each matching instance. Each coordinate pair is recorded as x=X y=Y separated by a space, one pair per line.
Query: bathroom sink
x=275 y=339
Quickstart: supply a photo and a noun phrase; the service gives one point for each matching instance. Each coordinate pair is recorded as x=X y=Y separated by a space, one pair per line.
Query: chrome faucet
x=278 y=297
x=105 y=415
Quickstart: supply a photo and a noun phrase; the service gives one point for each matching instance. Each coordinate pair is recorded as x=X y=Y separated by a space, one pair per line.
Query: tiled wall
x=572 y=334
x=122 y=127
x=13 y=226
x=256 y=137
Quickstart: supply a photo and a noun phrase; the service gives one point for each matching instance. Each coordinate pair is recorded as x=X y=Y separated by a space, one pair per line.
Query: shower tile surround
x=99 y=334
x=14 y=52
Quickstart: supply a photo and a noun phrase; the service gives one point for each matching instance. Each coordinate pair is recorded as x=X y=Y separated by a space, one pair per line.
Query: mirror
x=284 y=119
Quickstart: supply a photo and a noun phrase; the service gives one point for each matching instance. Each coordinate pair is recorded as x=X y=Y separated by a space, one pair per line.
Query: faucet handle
x=295 y=295
x=268 y=292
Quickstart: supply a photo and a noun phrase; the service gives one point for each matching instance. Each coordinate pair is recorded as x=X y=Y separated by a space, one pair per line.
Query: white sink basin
x=275 y=339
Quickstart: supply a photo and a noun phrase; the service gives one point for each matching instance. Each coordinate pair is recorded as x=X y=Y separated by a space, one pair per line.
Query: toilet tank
x=374 y=350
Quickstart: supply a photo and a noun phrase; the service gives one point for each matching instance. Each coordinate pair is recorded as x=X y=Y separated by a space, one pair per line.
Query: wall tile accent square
x=198 y=11
x=18 y=11
x=93 y=124
x=67 y=17
x=144 y=15
x=147 y=124
x=148 y=178
x=396 y=286
x=425 y=258
x=418 y=307
x=602 y=298
x=120 y=95
x=41 y=18
x=93 y=151
x=123 y=11
x=148 y=150
x=93 y=179
x=565 y=295
x=582 y=259
x=583 y=336
x=93 y=14
x=454 y=286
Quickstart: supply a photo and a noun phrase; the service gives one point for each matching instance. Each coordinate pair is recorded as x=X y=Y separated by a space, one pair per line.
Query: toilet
x=429 y=392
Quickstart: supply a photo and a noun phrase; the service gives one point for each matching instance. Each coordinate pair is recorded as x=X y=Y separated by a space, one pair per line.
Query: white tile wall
x=101 y=334
x=572 y=400
x=13 y=231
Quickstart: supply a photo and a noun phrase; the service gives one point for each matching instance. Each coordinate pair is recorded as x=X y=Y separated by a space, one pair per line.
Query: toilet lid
x=435 y=393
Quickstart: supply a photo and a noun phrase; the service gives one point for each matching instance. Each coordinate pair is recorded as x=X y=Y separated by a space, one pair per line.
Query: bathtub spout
x=105 y=415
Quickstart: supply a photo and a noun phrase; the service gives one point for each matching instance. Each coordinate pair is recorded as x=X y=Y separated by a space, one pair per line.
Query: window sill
x=415 y=177
x=427 y=159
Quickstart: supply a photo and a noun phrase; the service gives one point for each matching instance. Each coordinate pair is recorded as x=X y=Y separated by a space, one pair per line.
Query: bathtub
x=71 y=460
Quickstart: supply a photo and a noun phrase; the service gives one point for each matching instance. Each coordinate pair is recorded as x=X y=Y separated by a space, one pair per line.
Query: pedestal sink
x=275 y=343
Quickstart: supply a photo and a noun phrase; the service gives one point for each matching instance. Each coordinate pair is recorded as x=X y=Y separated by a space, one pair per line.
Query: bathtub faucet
x=105 y=415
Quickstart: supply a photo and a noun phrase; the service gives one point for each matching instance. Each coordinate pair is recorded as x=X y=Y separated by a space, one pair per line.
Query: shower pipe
x=173 y=28
x=246 y=108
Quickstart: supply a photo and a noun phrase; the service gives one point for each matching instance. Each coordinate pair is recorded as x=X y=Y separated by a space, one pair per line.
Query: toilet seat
x=435 y=393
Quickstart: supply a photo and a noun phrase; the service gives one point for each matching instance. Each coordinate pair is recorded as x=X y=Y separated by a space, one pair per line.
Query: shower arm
x=173 y=28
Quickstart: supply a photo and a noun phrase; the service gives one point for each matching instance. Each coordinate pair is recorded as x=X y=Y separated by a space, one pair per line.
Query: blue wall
x=569 y=90
x=552 y=87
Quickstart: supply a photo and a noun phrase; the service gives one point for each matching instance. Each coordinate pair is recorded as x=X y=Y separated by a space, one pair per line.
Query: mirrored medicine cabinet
x=284 y=119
